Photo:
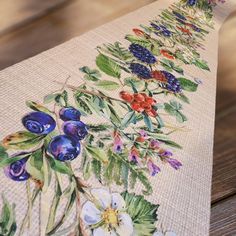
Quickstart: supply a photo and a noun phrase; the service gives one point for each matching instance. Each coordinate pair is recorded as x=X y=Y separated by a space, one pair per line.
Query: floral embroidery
x=132 y=144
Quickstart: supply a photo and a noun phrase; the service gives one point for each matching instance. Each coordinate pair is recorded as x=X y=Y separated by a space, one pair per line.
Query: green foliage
x=37 y=107
x=174 y=109
x=170 y=66
x=142 y=212
x=91 y=75
x=97 y=153
x=8 y=219
x=188 y=85
x=201 y=64
x=22 y=140
x=107 y=85
x=129 y=118
x=108 y=65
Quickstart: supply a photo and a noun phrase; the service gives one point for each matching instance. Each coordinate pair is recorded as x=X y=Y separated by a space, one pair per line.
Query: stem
x=90 y=92
x=30 y=204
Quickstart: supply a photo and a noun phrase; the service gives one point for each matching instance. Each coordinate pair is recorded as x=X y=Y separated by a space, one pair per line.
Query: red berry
x=158 y=75
x=139 y=97
x=150 y=100
x=152 y=113
x=138 y=32
x=136 y=106
x=146 y=106
x=126 y=96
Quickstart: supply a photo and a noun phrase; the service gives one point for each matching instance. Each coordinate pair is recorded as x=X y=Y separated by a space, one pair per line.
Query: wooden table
x=30 y=27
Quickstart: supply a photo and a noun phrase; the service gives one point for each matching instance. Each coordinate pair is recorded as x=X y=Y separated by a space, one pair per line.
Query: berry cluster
x=161 y=30
x=140 y=70
x=179 y=15
x=142 y=54
x=173 y=83
x=140 y=102
x=62 y=147
x=67 y=147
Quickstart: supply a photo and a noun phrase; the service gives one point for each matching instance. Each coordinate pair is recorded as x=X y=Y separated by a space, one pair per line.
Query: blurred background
x=28 y=27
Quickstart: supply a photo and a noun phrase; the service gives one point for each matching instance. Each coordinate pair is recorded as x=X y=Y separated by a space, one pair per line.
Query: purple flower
x=143 y=133
x=118 y=145
x=153 y=168
x=174 y=163
x=134 y=156
x=154 y=144
x=165 y=153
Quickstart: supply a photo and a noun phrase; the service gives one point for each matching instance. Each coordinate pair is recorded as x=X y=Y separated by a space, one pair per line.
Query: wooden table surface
x=28 y=27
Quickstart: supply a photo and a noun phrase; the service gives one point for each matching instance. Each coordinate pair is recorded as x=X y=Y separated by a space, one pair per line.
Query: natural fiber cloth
x=180 y=199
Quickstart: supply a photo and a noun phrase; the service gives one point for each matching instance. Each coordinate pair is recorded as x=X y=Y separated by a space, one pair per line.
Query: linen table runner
x=111 y=133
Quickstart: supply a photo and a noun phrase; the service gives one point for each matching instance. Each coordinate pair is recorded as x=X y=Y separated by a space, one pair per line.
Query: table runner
x=120 y=134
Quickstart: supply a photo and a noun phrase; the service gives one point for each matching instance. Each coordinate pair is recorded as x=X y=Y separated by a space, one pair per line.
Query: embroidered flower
x=106 y=214
x=118 y=144
x=153 y=168
x=134 y=156
x=165 y=153
x=174 y=163
x=154 y=144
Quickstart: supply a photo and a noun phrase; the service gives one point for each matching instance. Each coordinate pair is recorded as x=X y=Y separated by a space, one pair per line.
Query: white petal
x=117 y=201
x=102 y=196
x=90 y=214
x=126 y=225
x=158 y=234
x=102 y=232
x=169 y=233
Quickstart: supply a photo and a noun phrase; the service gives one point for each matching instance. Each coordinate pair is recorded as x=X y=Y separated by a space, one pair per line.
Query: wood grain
x=14 y=14
x=72 y=20
x=224 y=174
x=223 y=218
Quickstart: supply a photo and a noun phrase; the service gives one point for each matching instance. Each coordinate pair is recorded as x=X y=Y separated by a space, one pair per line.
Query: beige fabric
x=184 y=196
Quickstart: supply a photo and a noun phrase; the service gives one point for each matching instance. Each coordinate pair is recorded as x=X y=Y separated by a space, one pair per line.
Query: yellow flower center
x=110 y=216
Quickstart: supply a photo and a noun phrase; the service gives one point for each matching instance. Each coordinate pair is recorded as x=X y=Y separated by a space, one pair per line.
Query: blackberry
x=180 y=16
x=140 y=70
x=142 y=53
x=166 y=33
x=195 y=28
x=173 y=84
x=180 y=21
x=192 y=2
x=155 y=26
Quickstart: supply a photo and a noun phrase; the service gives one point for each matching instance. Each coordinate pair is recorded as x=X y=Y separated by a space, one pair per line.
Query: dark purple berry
x=140 y=70
x=76 y=129
x=142 y=53
x=64 y=148
x=180 y=16
x=39 y=122
x=173 y=84
x=16 y=171
x=166 y=33
x=155 y=26
x=69 y=113
x=195 y=28
x=192 y=2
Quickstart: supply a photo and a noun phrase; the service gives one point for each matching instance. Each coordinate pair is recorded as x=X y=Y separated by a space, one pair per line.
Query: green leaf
x=107 y=85
x=91 y=75
x=182 y=97
x=97 y=153
x=114 y=116
x=34 y=165
x=59 y=166
x=8 y=161
x=148 y=121
x=142 y=213
x=129 y=118
x=201 y=64
x=22 y=140
x=188 y=85
x=37 y=107
x=8 y=219
x=132 y=81
x=81 y=104
x=141 y=41
x=50 y=98
x=108 y=65
x=47 y=174
x=169 y=109
x=167 y=141
x=3 y=153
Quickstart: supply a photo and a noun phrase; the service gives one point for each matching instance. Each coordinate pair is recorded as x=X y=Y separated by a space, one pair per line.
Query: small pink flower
x=118 y=144
x=154 y=144
x=153 y=168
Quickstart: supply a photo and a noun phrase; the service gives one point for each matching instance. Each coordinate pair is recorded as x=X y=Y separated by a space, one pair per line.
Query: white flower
x=167 y=233
x=106 y=215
